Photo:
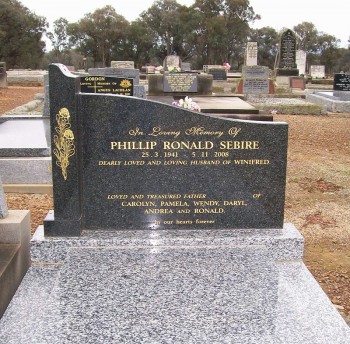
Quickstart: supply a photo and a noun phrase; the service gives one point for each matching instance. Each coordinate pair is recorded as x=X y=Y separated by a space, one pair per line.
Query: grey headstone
x=3 y=204
x=256 y=80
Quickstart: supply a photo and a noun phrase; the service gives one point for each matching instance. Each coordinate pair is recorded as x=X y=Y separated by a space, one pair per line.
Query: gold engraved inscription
x=64 y=141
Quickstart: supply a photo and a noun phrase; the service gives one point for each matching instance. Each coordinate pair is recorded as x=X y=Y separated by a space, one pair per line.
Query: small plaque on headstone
x=106 y=85
x=180 y=82
x=256 y=86
x=341 y=82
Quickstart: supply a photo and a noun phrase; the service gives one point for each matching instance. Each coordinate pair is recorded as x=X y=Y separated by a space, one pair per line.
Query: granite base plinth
x=171 y=287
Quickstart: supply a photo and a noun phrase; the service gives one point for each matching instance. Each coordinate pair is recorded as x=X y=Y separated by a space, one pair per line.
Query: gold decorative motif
x=64 y=141
x=125 y=83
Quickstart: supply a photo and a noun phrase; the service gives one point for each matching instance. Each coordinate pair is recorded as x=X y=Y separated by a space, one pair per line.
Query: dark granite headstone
x=287 y=50
x=63 y=86
x=106 y=85
x=218 y=73
x=341 y=82
x=138 y=164
x=124 y=73
x=287 y=54
x=180 y=82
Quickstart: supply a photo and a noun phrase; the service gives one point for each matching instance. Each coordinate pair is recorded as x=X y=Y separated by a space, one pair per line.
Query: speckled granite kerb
x=284 y=244
x=160 y=295
x=205 y=287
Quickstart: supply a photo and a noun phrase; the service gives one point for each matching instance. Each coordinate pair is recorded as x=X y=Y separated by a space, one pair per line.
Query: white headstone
x=317 y=71
x=252 y=54
x=301 y=61
x=171 y=61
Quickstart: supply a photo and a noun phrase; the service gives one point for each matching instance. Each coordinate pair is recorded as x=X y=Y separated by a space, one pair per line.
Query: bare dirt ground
x=317 y=194
x=14 y=96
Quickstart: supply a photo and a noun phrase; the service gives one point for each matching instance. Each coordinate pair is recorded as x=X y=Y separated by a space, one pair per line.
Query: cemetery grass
x=317 y=193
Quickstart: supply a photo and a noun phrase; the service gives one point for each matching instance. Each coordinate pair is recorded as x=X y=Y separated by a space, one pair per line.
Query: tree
x=267 y=39
x=21 y=32
x=59 y=37
x=307 y=36
x=321 y=48
x=98 y=33
x=223 y=29
x=164 y=20
x=328 y=51
x=138 y=44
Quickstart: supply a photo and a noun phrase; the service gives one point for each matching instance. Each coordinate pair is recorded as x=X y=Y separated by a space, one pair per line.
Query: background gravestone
x=287 y=55
x=252 y=54
x=123 y=64
x=186 y=66
x=301 y=61
x=171 y=61
x=218 y=73
x=341 y=82
x=255 y=80
x=128 y=73
x=106 y=85
x=317 y=71
x=3 y=75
